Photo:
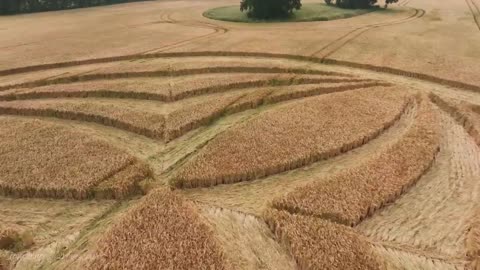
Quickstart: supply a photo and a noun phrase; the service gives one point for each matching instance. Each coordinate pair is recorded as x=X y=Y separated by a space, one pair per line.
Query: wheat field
x=146 y=136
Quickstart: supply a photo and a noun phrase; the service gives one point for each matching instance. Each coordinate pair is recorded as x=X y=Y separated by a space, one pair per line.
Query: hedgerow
x=27 y=6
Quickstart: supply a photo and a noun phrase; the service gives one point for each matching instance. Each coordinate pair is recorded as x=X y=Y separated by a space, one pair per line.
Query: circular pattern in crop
x=240 y=154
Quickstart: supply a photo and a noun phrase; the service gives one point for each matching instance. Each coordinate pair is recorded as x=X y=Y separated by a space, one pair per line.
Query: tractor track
x=168 y=18
x=344 y=40
x=475 y=10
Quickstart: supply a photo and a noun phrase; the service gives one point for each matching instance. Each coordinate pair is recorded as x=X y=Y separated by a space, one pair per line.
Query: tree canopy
x=269 y=9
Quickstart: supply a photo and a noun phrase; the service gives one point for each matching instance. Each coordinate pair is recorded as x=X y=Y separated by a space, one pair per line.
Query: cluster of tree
x=26 y=6
x=353 y=4
x=269 y=9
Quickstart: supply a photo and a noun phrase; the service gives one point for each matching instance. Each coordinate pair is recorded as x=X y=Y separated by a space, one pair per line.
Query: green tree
x=269 y=9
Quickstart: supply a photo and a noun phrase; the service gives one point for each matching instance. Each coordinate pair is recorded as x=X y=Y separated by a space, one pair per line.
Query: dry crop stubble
x=347 y=197
x=60 y=163
x=282 y=139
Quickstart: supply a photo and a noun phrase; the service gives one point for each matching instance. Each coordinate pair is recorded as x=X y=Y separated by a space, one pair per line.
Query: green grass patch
x=308 y=12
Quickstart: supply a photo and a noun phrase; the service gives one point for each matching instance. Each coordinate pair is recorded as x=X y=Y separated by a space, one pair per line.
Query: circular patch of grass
x=308 y=12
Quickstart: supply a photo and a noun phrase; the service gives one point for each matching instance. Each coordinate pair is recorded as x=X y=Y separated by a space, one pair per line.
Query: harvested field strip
x=285 y=143
x=382 y=69
x=60 y=163
x=390 y=173
x=167 y=73
x=247 y=240
x=436 y=214
x=166 y=90
x=147 y=123
x=320 y=244
x=172 y=225
x=253 y=197
x=462 y=114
